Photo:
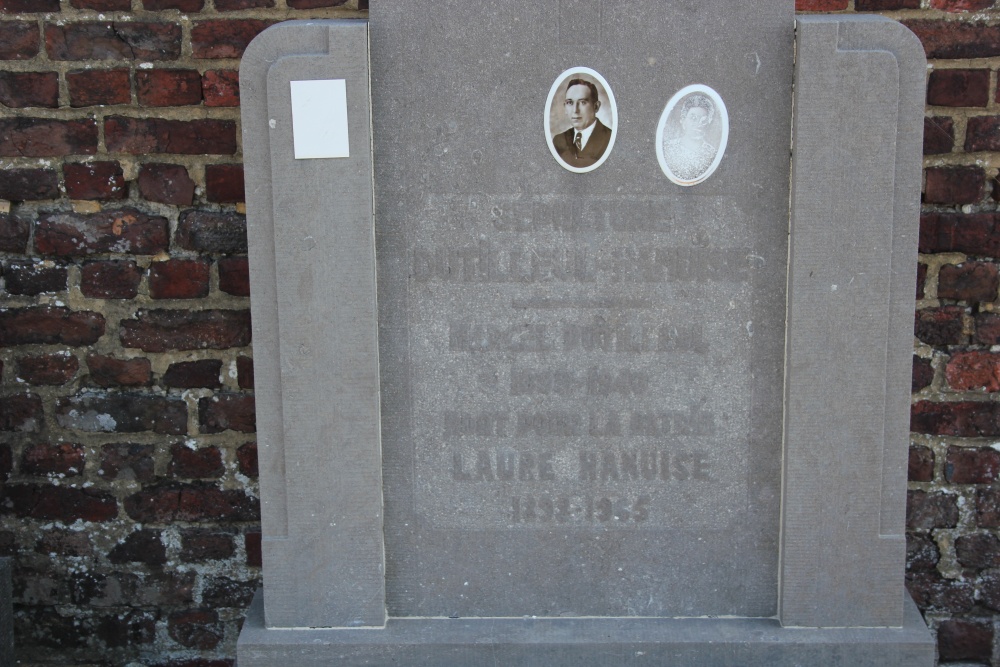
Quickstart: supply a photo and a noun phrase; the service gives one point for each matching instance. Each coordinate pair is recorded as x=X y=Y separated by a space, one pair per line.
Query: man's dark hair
x=588 y=84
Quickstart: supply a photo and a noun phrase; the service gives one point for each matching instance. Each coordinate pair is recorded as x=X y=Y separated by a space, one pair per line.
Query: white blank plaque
x=319 y=119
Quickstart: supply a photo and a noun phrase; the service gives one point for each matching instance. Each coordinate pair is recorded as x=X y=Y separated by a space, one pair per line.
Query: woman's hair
x=698 y=100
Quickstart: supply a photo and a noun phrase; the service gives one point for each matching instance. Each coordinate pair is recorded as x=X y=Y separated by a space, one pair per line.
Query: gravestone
x=551 y=365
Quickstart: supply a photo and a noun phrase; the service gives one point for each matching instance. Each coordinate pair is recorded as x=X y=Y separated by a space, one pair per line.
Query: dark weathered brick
x=103 y=5
x=235 y=5
x=223 y=592
x=162 y=330
x=234 y=276
x=221 y=88
x=939 y=135
x=921 y=464
x=111 y=372
x=974 y=233
x=127 y=461
x=961 y=639
x=110 y=279
x=921 y=553
x=95 y=181
x=30 y=278
x=181 y=5
x=969 y=281
x=225 y=38
x=933 y=592
x=982 y=133
x=48 y=325
x=208 y=232
x=956 y=39
x=121 y=630
x=194 y=374
x=47 y=369
x=166 y=184
x=126 y=230
x=179 y=279
x=962 y=5
x=252 y=545
x=931 y=510
x=975 y=369
x=19 y=90
x=25 y=6
x=203 y=544
x=224 y=183
x=800 y=5
x=923 y=374
x=94 y=87
x=246 y=457
x=196 y=628
x=988 y=508
x=62 y=458
x=968 y=465
x=244 y=372
x=64 y=543
x=124 y=589
x=44 y=137
x=122 y=413
x=118 y=40
x=19 y=40
x=203 y=463
x=168 y=87
x=29 y=184
x=965 y=418
x=57 y=503
x=14 y=233
x=940 y=326
x=21 y=412
x=227 y=412
x=958 y=87
x=884 y=5
x=978 y=550
x=987 y=328
x=139 y=136
x=195 y=502
x=954 y=185
x=141 y=546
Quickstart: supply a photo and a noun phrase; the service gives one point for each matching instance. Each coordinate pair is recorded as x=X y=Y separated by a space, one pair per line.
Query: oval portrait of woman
x=581 y=118
x=692 y=135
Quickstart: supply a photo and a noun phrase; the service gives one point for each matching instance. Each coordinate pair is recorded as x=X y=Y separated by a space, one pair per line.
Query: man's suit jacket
x=591 y=153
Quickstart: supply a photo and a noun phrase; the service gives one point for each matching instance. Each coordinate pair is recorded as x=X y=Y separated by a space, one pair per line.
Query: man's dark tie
x=578 y=142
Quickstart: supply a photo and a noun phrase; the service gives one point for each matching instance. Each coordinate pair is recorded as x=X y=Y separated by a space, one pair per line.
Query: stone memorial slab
x=542 y=377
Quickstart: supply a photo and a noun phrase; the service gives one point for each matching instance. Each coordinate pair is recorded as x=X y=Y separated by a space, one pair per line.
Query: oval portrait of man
x=692 y=135
x=581 y=118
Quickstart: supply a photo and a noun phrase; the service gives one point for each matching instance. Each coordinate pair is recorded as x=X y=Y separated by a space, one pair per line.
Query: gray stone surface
x=855 y=214
x=312 y=274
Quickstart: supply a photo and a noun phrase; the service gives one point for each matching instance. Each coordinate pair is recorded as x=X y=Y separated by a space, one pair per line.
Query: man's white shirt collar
x=585 y=134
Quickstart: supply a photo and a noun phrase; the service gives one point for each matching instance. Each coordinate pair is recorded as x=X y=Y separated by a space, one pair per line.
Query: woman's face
x=693 y=122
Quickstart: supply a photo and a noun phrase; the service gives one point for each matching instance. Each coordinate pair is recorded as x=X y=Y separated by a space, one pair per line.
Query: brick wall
x=126 y=410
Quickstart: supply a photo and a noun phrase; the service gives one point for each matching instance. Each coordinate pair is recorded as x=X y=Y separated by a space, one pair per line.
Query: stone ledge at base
x=562 y=642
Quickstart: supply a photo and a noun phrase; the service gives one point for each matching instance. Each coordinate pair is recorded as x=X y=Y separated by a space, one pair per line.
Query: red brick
x=954 y=185
x=235 y=5
x=962 y=5
x=921 y=464
x=244 y=372
x=958 y=87
x=119 y=40
x=969 y=281
x=974 y=370
x=179 y=279
x=42 y=137
x=221 y=88
x=987 y=328
x=94 y=87
x=939 y=135
x=48 y=325
x=21 y=413
x=216 y=233
x=965 y=465
x=923 y=374
x=48 y=369
x=227 y=412
x=166 y=184
x=225 y=38
x=181 y=5
x=956 y=39
x=974 y=233
x=978 y=550
x=31 y=278
x=14 y=231
x=29 y=89
x=800 y=5
x=224 y=183
x=196 y=628
x=141 y=546
x=126 y=231
x=162 y=330
x=246 y=457
x=100 y=181
x=168 y=87
x=26 y=6
x=316 y=4
x=139 y=136
x=111 y=279
x=29 y=184
x=58 y=503
x=252 y=545
x=204 y=373
x=884 y=5
x=122 y=413
x=204 y=463
x=127 y=461
x=103 y=5
x=201 y=544
x=988 y=508
x=195 y=501
x=111 y=372
x=982 y=133
x=18 y=40
x=63 y=458
x=964 y=419
x=940 y=326
x=925 y=511
x=234 y=276
x=960 y=639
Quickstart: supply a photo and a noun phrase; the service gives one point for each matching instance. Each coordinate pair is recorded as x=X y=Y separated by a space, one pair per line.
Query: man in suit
x=584 y=143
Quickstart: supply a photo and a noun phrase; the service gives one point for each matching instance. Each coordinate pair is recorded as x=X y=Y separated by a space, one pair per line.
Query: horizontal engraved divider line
x=548 y=302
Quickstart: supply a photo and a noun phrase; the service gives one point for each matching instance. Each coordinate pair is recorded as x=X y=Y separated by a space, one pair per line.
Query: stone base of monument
x=555 y=642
